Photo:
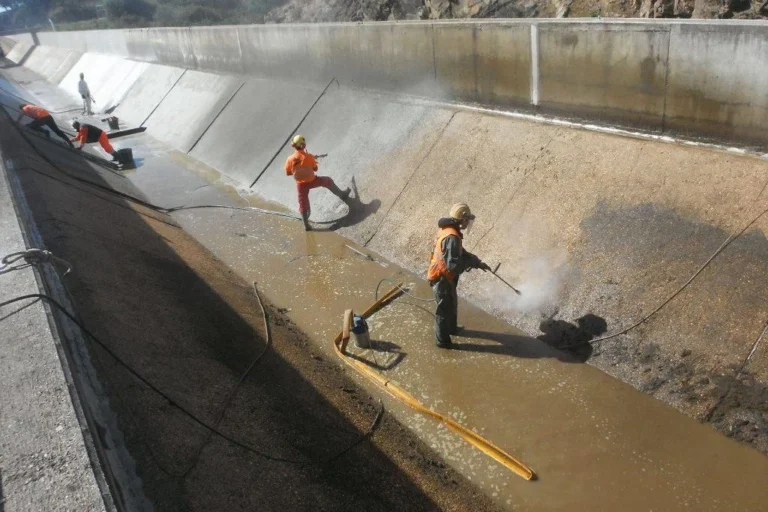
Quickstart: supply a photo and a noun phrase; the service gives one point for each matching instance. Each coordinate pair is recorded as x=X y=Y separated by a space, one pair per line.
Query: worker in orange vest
x=303 y=166
x=447 y=262
x=87 y=134
x=41 y=117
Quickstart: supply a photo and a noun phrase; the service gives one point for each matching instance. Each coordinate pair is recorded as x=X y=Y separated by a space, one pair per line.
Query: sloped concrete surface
x=597 y=230
x=187 y=112
x=374 y=142
x=108 y=78
x=594 y=442
x=254 y=124
x=52 y=63
x=145 y=95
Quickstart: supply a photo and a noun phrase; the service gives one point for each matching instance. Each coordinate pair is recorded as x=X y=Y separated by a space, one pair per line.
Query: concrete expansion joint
x=552 y=173
x=503 y=209
x=413 y=174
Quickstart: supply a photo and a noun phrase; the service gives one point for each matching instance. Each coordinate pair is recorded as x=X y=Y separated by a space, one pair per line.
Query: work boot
x=305 y=219
x=448 y=345
x=343 y=195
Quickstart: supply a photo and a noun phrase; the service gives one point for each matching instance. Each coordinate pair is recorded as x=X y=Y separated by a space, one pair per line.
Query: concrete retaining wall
x=7 y=44
x=717 y=81
x=195 y=102
x=147 y=92
x=593 y=227
x=108 y=77
x=19 y=52
x=51 y=62
x=616 y=73
x=698 y=79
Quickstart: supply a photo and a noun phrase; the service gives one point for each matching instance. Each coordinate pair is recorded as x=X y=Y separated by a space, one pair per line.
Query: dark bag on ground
x=125 y=157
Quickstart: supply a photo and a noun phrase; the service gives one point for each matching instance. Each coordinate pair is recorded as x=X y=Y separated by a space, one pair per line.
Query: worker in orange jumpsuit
x=446 y=263
x=303 y=166
x=41 y=117
x=88 y=134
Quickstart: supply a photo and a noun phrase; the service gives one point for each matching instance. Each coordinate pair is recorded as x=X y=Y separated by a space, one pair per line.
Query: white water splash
x=541 y=280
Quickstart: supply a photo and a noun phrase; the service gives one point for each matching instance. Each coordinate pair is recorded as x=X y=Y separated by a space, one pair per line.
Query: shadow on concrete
x=571 y=338
x=508 y=344
x=358 y=212
x=7 y=64
x=137 y=162
x=188 y=325
x=379 y=347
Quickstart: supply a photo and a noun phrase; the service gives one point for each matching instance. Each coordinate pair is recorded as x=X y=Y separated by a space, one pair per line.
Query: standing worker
x=88 y=134
x=303 y=166
x=41 y=117
x=446 y=264
x=85 y=92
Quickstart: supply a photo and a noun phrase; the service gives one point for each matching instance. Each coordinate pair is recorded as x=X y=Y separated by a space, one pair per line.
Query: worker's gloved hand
x=484 y=267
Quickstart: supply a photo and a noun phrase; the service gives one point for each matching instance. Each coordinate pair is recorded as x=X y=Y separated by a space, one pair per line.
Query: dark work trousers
x=446 y=312
x=48 y=122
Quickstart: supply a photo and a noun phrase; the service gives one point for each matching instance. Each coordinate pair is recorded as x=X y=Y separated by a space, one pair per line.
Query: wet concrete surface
x=44 y=460
x=594 y=441
x=542 y=195
x=191 y=326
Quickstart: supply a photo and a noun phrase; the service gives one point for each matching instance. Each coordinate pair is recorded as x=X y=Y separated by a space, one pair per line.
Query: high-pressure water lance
x=503 y=280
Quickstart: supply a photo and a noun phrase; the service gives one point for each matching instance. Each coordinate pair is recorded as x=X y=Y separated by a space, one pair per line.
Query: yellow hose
x=399 y=393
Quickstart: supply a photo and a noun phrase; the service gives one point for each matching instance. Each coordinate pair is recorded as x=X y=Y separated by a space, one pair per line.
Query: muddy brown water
x=594 y=442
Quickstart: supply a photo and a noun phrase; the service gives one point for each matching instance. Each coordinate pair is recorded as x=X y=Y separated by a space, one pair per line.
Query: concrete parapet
x=717 y=82
x=698 y=79
x=613 y=72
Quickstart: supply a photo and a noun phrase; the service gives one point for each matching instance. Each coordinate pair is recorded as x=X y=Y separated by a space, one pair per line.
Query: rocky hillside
x=378 y=10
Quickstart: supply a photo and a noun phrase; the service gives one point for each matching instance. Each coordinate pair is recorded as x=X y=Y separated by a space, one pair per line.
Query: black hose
x=404 y=290
x=211 y=429
x=720 y=249
x=230 y=397
x=50 y=300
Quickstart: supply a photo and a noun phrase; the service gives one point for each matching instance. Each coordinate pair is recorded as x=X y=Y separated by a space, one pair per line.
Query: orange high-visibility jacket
x=437 y=268
x=302 y=166
x=35 y=112
x=88 y=134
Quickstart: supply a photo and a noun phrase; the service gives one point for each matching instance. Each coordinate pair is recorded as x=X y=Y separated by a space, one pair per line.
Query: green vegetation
x=85 y=14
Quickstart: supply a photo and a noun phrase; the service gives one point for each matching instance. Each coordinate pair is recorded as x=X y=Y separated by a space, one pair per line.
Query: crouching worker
x=88 y=134
x=303 y=166
x=41 y=117
x=447 y=262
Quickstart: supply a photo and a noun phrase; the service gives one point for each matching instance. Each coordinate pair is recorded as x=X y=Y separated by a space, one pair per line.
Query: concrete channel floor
x=179 y=316
x=44 y=464
x=594 y=442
